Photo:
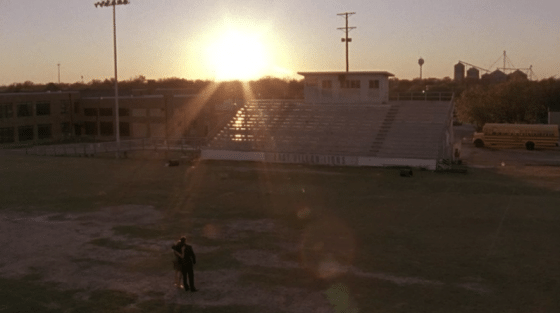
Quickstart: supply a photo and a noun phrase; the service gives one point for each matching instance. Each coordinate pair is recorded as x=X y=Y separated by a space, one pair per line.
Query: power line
x=346 y=30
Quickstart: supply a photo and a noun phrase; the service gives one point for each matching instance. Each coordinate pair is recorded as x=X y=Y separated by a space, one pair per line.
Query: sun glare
x=237 y=55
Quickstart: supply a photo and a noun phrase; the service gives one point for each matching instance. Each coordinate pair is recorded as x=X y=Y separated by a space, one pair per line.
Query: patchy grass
x=24 y=295
x=110 y=300
x=159 y=265
x=484 y=227
x=77 y=184
x=160 y=306
x=109 y=243
x=222 y=259
x=139 y=231
x=87 y=263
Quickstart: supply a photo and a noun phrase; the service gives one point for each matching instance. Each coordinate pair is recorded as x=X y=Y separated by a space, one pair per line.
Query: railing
x=421 y=96
x=191 y=144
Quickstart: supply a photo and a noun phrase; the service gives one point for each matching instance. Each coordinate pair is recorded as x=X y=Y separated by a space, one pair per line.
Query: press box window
x=374 y=84
x=43 y=108
x=355 y=84
x=311 y=82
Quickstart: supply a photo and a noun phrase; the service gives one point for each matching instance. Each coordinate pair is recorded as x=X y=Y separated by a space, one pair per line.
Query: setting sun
x=237 y=55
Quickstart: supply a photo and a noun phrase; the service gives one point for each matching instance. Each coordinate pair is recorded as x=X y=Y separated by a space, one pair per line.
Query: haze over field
x=248 y=39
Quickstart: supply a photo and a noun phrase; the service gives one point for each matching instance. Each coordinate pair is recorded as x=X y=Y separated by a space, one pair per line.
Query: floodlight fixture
x=114 y=3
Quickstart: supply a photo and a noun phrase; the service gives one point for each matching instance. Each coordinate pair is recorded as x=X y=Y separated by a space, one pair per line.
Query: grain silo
x=473 y=73
x=459 y=72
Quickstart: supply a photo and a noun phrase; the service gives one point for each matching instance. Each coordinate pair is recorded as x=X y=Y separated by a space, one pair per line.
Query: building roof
x=385 y=73
x=400 y=129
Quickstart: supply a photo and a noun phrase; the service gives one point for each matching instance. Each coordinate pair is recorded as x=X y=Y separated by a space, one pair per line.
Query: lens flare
x=327 y=248
x=303 y=213
x=211 y=231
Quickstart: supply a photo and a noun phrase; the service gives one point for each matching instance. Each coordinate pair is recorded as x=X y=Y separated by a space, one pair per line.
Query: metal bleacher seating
x=403 y=129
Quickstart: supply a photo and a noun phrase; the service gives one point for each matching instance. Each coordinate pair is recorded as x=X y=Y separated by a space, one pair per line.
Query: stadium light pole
x=114 y=3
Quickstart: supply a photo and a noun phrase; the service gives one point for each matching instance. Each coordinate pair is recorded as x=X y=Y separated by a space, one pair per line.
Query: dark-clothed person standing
x=187 y=261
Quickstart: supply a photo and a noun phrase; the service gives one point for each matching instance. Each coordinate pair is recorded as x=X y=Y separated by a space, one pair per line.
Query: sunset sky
x=248 y=39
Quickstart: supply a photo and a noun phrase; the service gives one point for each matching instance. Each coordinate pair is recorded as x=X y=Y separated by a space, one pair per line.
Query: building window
x=7 y=135
x=78 y=129
x=327 y=84
x=44 y=131
x=64 y=106
x=350 y=84
x=124 y=129
x=43 y=108
x=374 y=84
x=90 y=112
x=65 y=128
x=106 y=128
x=124 y=112
x=25 y=133
x=90 y=128
x=106 y=112
x=311 y=82
x=24 y=109
x=6 y=110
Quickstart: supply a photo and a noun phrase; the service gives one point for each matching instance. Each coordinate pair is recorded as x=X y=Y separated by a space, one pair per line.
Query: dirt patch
x=122 y=215
x=263 y=259
x=81 y=251
x=540 y=167
x=537 y=175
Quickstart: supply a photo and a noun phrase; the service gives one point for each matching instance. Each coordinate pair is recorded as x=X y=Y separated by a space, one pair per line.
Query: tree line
x=476 y=102
x=264 y=88
x=515 y=101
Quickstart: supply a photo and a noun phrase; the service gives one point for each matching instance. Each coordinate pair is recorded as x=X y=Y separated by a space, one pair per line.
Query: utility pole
x=58 y=73
x=346 y=30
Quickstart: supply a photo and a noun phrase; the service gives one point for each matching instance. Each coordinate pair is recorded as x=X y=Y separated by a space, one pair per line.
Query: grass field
x=94 y=235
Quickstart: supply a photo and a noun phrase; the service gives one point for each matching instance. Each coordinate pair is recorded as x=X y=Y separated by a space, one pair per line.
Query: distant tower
x=420 y=62
x=459 y=72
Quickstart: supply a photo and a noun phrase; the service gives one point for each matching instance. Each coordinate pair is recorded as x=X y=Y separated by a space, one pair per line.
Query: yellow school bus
x=528 y=136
